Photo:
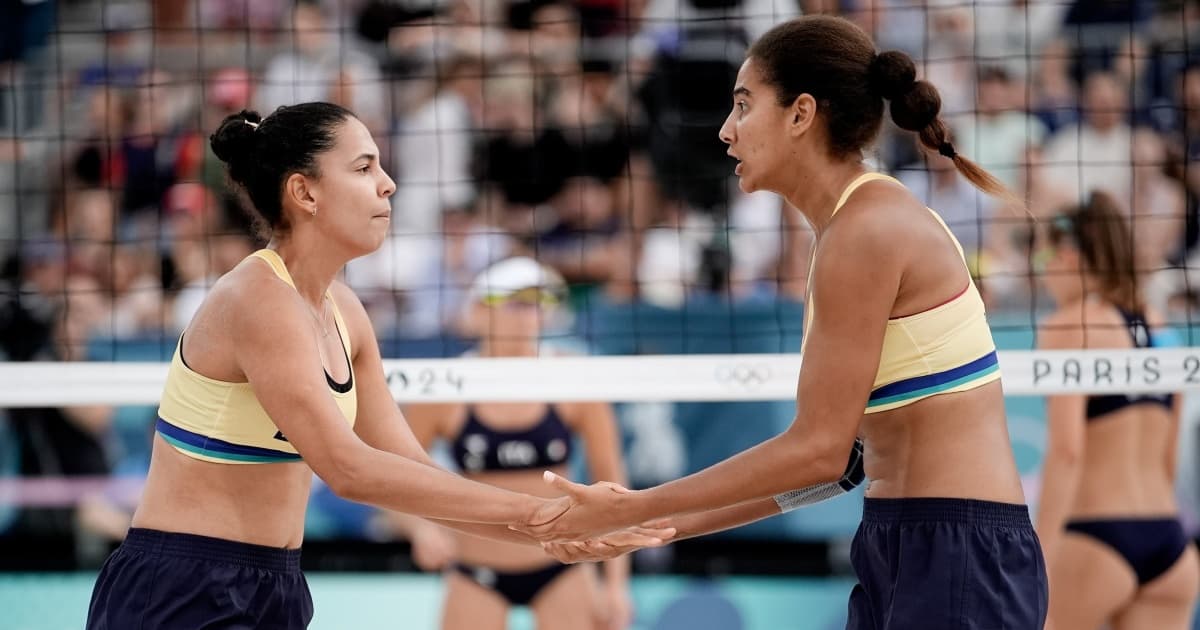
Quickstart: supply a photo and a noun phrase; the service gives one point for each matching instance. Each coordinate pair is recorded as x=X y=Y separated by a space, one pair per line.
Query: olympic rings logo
x=744 y=375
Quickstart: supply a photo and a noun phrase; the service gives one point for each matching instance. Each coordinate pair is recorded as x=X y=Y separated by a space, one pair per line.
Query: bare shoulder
x=252 y=288
x=247 y=306
x=1079 y=326
x=875 y=220
x=247 y=293
x=1061 y=330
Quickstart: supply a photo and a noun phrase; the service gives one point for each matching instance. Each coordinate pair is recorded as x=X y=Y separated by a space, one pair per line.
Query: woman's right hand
x=543 y=511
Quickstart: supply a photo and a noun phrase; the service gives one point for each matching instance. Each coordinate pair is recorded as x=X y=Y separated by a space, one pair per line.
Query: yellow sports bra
x=222 y=422
x=948 y=348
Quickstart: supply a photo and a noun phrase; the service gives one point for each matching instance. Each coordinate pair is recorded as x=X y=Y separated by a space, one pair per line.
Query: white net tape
x=670 y=378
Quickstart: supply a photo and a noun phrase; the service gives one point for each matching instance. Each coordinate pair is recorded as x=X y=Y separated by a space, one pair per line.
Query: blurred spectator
x=123 y=61
x=229 y=91
x=1185 y=131
x=1097 y=29
x=1004 y=270
x=948 y=54
x=1170 y=44
x=968 y=212
x=1161 y=212
x=894 y=24
x=758 y=237
x=1013 y=33
x=684 y=100
x=432 y=153
x=24 y=32
x=98 y=160
x=86 y=222
x=420 y=37
x=1130 y=67
x=546 y=32
x=1157 y=213
x=321 y=66
x=257 y=15
x=586 y=104
x=1094 y=154
x=467 y=244
x=1054 y=92
x=32 y=298
x=63 y=441
x=154 y=148
x=663 y=18
x=610 y=19
x=128 y=274
x=670 y=260
x=526 y=160
x=433 y=148
x=998 y=133
x=208 y=241
x=583 y=227
x=1183 y=149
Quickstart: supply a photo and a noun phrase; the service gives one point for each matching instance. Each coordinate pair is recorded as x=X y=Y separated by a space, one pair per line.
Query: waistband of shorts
x=218 y=550
x=940 y=510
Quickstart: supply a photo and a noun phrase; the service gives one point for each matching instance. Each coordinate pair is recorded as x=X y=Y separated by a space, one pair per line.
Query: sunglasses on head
x=531 y=296
x=1060 y=229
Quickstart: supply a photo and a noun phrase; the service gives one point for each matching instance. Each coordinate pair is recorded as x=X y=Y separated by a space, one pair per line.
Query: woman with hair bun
x=276 y=377
x=899 y=366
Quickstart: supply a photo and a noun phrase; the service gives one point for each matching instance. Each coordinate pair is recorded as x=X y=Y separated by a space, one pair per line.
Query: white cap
x=514 y=274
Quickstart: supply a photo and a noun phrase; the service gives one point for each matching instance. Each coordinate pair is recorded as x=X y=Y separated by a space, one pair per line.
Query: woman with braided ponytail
x=898 y=360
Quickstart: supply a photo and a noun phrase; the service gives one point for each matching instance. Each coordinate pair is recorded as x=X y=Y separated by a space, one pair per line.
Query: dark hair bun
x=235 y=140
x=917 y=108
x=892 y=74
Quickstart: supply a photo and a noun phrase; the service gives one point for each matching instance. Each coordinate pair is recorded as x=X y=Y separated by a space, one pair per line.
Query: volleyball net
x=583 y=134
x=656 y=378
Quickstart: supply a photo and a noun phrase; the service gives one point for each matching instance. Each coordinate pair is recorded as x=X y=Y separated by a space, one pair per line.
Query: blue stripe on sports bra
x=212 y=447
x=931 y=383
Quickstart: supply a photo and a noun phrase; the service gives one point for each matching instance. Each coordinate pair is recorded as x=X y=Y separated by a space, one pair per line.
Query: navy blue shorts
x=158 y=580
x=947 y=564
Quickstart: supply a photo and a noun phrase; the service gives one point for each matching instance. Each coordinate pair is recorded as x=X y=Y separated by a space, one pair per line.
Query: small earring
x=314 y=213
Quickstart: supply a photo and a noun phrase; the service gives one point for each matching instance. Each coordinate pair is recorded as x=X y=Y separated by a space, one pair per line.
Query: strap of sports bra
x=272 y=258
x=859 y=181
x=1133 y=320
x=813 y=259
x=871 y=177
x=812 y=263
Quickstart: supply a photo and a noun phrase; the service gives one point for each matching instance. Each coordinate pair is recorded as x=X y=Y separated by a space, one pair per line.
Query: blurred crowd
x=581 y=132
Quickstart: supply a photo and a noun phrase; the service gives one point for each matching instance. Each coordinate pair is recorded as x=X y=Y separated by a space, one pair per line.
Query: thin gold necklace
x=323 y=320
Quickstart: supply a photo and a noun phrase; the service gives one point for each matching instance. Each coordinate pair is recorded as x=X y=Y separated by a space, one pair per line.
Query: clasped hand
x=591 y=511
x=596 y=525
